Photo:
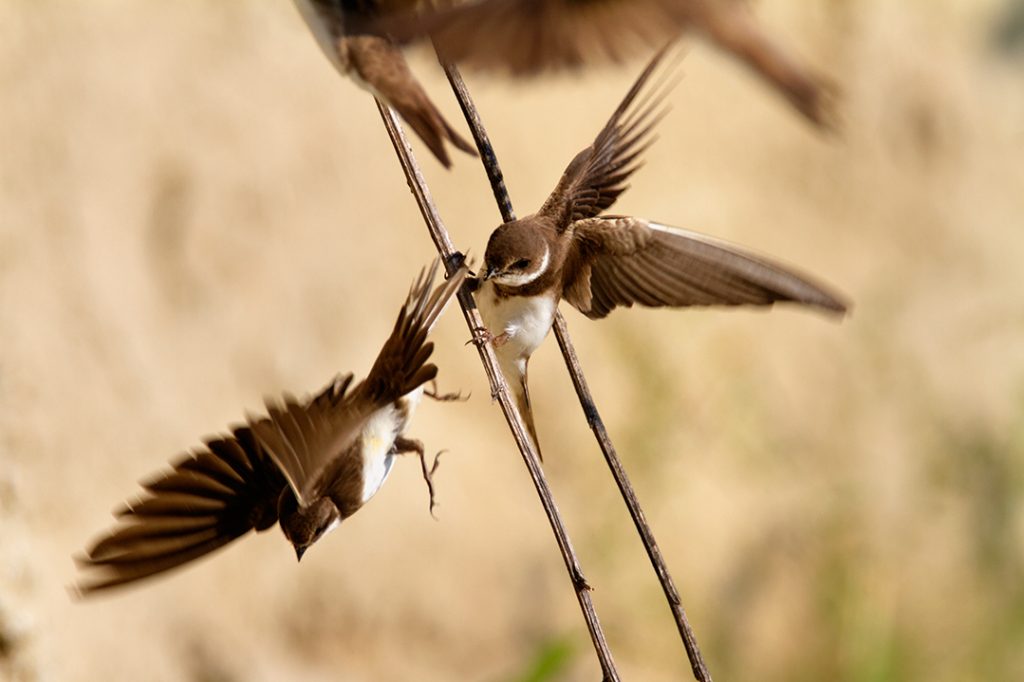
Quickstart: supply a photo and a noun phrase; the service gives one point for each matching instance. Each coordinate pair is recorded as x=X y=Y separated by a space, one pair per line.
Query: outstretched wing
x=209 y=498
x=596 y=177
x=306 y=438
x=525 y=37
x=352 y=17
x=623 y=261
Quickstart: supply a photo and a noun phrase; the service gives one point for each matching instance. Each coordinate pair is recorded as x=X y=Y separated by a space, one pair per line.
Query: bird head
x=304 y=525
x=516 y=255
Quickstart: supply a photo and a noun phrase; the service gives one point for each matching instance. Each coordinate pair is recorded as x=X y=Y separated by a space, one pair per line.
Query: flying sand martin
x=377 y=65
x=569 y=250
x=308 y=464
x=525 y=37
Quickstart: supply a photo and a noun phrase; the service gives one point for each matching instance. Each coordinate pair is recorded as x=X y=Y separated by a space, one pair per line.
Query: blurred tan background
x=196 y=211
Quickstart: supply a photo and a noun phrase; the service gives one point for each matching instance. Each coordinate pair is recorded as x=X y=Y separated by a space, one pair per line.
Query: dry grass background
x=195 y=211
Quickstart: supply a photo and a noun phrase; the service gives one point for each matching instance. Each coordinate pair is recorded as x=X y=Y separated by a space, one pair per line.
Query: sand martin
x=525 y=37
x=377 y=65
x=570 y=250
x=307 y=464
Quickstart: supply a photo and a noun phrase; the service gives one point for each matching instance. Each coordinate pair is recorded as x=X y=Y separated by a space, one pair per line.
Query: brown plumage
x=526 y=37
x=307 y=464
x=569 y=249
x=376 y=64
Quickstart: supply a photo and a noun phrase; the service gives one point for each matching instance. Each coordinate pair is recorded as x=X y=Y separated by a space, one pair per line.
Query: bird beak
x=490 y=272
x=299 y=551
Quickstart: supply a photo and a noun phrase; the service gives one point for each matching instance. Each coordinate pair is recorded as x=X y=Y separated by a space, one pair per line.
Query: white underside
x=378 y=438
x=525 y=320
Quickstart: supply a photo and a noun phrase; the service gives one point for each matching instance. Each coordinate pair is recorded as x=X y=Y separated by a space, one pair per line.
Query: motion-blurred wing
x=303 y=437
x=627 y=260
x=525 y=37
x=211 y=497
x=351 y=17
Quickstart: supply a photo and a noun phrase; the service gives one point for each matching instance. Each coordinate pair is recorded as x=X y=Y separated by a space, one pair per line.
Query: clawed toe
x=428 y=476
x=481 y=336
x=435 y=394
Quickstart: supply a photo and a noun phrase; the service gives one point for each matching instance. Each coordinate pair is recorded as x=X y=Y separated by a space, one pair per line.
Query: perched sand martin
x=597 y=263
x=307 y=464
x=525 y=37
x=377 y=65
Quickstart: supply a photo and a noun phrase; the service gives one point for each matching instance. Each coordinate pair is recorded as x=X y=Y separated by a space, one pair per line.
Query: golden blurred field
x=196 y=211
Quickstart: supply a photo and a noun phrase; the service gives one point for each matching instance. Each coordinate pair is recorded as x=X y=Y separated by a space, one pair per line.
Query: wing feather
x=627 y=261
x=527 y=37
x=200 y=505
x=305 y=439
x=596 y=177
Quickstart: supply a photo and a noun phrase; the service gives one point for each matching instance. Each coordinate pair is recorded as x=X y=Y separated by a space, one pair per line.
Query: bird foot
x=428 y=476
x=482 y=335
x=435 y=394
x=405 y=446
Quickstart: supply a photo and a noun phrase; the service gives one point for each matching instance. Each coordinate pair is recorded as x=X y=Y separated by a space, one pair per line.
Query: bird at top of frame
x=527 y=37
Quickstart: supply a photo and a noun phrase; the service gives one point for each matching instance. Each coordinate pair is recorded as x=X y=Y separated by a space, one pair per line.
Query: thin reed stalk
x=572 y=363
x=499 y=389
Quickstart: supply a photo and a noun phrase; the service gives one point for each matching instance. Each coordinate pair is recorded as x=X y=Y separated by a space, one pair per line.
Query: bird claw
x=404 y=446
x=482 y=335
x=435 y=394
x=428 y=476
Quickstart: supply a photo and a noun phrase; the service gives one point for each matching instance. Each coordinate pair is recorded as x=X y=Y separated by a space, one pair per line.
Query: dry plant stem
x=490 y=161
x=499 y=390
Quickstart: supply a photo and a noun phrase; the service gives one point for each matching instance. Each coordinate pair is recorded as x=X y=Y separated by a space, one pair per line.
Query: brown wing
x=597 y=175
x=211 y=497
x=302 y=436
x=305 y=439
x=353 y=17
x=401 y=366
x=526 y=37
x=731 y=26
x=627 y=260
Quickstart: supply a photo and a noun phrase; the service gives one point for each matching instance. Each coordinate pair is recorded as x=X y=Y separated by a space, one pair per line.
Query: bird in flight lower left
x=306 y=464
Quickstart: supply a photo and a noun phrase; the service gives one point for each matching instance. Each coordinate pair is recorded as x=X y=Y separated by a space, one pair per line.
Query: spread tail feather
x=522 y=397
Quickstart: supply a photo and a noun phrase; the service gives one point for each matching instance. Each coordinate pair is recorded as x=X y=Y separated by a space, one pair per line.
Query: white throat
x=334 y=524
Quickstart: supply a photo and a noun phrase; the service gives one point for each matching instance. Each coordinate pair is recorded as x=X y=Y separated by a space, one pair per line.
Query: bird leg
x=482 y=335
x=435 y=394
x=405 y=446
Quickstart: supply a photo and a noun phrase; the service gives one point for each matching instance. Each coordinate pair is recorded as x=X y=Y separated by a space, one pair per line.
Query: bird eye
x=521 y=264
